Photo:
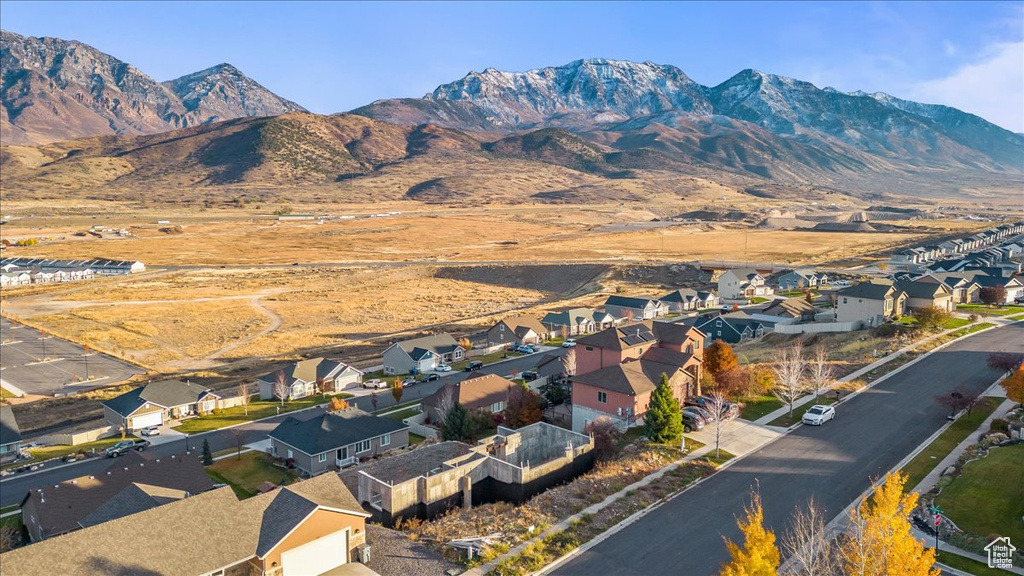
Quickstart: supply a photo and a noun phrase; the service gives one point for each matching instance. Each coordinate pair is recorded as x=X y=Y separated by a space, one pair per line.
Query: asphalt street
x=833 y=464
x=13 y=488
x=70 y=370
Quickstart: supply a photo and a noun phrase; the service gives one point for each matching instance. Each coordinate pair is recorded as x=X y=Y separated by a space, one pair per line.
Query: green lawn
x=798 y=412
x=415 y=439
x=988 y=498
x=1016 y=317
x=5 y=393
x=986 y=310
x=758 y=300
x=930 y=457
x=257 y=410
x=722 y=457
x=968 y=565
x=246 y=473
x=955 y=322
x=403 y=414
x=15 y=522
x=755 y=407
x=396 y=406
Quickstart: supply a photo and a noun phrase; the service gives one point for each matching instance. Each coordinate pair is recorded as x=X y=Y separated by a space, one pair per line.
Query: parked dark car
x=530 y=375
x=698 y=413
x=429 y=378
x=692 y=421
x=704 y=402
x=474 y=365
x=126 y=446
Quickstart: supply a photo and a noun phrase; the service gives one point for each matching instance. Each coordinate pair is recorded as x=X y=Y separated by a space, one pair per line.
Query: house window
x=498 y=406
x=602 y=397
x=589 y=348
x=844 y=299
x=322 y=457
x=363 y=446
x=501 y=327
x=290 y=453
x=385 y=440
x=718 y=323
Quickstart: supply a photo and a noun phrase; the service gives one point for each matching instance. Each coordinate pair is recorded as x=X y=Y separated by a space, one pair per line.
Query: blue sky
x=334 y=57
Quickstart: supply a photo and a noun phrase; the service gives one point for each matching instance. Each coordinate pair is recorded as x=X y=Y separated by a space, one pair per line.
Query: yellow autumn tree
x=759 y=556
x=1014 y=385
x=879 y=541
x=338 y=404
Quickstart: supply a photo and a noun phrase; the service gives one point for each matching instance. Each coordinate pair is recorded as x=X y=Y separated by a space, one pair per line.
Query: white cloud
x=991 y=87
x=949 y=48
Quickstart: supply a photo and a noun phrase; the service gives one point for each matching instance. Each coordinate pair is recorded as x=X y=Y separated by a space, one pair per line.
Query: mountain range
x=596 y=121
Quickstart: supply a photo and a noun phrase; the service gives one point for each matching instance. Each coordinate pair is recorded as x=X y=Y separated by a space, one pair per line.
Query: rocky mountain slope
x=53 y=89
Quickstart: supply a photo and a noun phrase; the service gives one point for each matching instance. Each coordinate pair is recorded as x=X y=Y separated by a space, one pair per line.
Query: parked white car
x=818 y=415
x=444 y=368
x=151 y=431
x=841 y=283
x=374 y=383
x=569 y=343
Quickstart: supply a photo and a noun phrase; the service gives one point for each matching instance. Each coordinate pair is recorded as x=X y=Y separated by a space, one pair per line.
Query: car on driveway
x=151 y=431
x=818 y=415
x=374 y=383
x=126 y=446
x=705 y=403
x=444 y=368
x=692 y=421
x=430 y=378
x=569 y=343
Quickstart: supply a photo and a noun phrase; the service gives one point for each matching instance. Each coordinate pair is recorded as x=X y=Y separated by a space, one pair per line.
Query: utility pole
x=85 y=349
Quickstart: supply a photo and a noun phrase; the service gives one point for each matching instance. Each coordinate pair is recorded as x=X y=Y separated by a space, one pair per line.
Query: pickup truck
x=125 y=446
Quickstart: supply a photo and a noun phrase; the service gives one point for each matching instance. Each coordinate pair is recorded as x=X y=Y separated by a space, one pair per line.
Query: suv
x=530 y=375
x=474 y=365
x=569 y=343
x=125 y=446
x=692 y=421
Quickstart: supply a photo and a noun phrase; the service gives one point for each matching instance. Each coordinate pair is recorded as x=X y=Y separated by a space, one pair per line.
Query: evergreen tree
x=663 y=421
x=759 y=555
x=207 y=455
x=456 y=425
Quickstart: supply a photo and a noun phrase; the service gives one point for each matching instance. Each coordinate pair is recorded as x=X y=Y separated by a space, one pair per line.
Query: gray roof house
x=870 y=303
x=336 y=439
x=155 y=403
x=301 y=378
x=10 y=435
x=577 y=321
x=742 y=283
x=923 y=294
x=422 y=354
x=635 y=308
x=732 y=328
x=686 y=299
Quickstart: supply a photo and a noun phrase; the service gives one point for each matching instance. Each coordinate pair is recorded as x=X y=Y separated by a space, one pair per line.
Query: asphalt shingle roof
x=286 y=511
x=334 y=430
x=867 y=290
x=166 y=393
x=437 y=343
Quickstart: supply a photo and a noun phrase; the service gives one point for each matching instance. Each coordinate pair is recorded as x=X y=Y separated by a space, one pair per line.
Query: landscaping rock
x=949 y=471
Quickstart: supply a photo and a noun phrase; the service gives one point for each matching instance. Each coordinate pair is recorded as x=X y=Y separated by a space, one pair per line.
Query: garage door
x=316 y=557
x=147 y=420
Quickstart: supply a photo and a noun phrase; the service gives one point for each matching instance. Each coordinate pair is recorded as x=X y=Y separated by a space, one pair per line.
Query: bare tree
x=445 y=401
x=569 y=363
x=373 y=400
x=245 y=395
x=810 y=547
x=821 y=374
x=281 y=386
x=789 y=371
x=239 y=437
x=718 y=408
x=321 y=386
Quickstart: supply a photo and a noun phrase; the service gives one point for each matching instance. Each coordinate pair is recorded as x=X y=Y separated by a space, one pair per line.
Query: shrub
x=606 y=437
x=290 y=463
x=1000 y=425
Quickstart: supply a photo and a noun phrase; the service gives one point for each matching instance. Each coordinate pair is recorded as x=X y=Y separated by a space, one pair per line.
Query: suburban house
x=336 y=439
x=618 y=368
x=926 y=294
x=577 y=321
x=511 y=466
x=871 y=303
x=632 y=308
x=10 y=436
x=962 y=286
x=800 y=280
x=488 y=393
x=304 y=378
x=686 y=299
x=131 y=484
x=519 y=330
x=1013 y=286
x=422 y=354
x=310 y=527
x=787 y=311
x=733 y=328
x=155 y=403
x=742 y=283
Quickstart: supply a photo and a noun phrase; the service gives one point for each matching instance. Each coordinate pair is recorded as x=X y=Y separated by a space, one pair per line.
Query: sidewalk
x=768 y=418
x=739 y=437
x=590 y=510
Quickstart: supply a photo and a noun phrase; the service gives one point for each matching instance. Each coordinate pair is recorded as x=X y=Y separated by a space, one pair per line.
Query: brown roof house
x=488 y=392
x=132 y=484
x=310 y=527
x=786 y=311
x=519 y=330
